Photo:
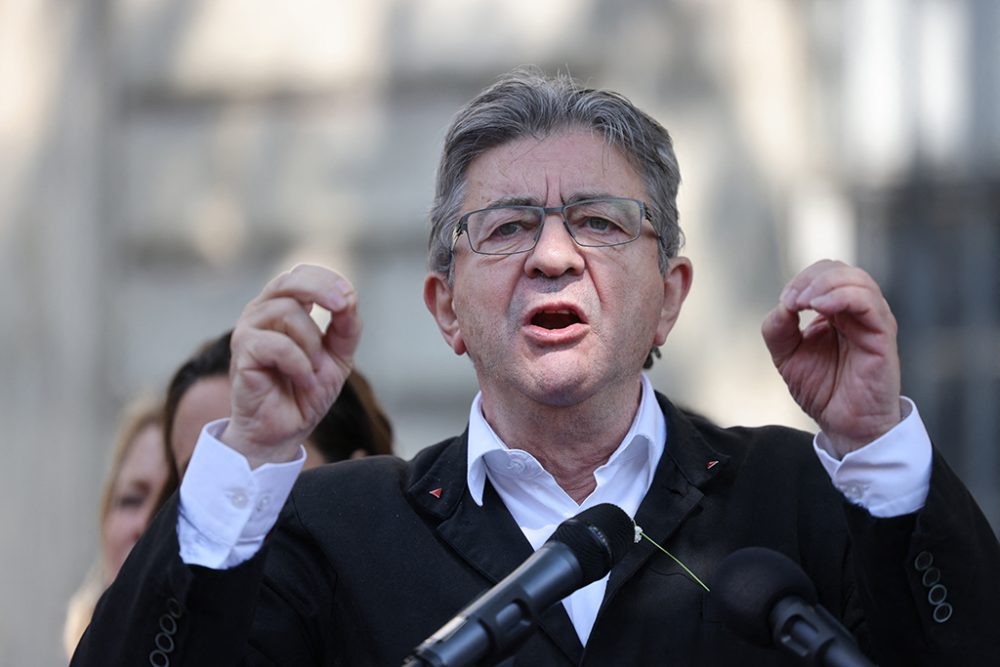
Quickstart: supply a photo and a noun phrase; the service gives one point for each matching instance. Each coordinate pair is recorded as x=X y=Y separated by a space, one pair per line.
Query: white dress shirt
x=226 y=509
x=538 y=504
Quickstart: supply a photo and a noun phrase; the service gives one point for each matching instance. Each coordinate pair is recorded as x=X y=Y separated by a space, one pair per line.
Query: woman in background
x=132 y=488
x=356 y=424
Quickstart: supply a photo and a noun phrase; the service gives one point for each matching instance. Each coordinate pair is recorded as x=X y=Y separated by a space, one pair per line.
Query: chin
x=562 y=387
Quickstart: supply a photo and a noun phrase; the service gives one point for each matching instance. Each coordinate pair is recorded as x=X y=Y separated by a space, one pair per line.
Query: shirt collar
x=646 y=435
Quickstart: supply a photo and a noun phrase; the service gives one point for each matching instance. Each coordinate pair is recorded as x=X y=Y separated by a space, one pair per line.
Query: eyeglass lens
x=510 y=229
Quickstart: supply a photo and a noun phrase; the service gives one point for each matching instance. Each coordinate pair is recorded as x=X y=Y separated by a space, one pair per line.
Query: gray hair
x=526 y=103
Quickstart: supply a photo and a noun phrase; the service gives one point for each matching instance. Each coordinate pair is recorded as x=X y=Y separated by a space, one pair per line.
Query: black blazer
x=366 y=562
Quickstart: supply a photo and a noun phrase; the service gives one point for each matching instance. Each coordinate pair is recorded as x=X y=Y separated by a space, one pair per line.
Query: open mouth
x=555 y=319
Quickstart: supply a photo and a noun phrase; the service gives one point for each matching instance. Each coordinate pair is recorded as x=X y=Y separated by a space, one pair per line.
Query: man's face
x=560 y=323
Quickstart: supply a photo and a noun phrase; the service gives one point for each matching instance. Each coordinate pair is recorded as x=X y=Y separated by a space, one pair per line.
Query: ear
x=438 y=299
x=676 y=283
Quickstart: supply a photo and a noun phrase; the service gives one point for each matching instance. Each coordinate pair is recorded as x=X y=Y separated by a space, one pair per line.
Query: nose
x=556 y=252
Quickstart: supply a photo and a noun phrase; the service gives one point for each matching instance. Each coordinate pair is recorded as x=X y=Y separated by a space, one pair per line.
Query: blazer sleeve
x=161 y=611
x=929 y=582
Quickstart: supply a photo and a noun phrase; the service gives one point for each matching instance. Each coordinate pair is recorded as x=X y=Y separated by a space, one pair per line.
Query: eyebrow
x=134 y=485
x=583 y=196
x=527 y=200
x=513 y=200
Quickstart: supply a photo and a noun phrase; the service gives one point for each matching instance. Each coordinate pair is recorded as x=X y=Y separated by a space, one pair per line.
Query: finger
x=821 y=277
x=781 y=333
x=837 y=278
x=820 y=325
x=803 y=279
x=865 y=307
x=262 y=349
x=343 y=333
x=309 y=284
x=287 y=316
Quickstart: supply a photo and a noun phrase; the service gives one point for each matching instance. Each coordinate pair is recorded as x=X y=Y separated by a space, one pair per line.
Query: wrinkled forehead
x=552 y=170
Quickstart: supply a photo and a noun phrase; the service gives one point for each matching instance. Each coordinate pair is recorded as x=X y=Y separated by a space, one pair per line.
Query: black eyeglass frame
x=463 y=226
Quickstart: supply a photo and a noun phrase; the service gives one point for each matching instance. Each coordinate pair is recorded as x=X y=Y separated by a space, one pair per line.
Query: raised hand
x=286 y=371
x=843 y=368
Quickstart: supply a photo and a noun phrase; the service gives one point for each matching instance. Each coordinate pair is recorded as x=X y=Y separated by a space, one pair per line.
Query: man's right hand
x=286 y=372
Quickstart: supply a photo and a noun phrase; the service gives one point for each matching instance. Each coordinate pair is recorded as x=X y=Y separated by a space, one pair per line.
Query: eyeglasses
x=593 y=223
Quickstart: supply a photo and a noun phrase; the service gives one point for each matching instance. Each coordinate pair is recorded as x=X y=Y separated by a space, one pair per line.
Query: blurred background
x=162 y=159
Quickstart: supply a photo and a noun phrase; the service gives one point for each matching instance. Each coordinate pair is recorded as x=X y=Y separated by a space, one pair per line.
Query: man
x=554 y=267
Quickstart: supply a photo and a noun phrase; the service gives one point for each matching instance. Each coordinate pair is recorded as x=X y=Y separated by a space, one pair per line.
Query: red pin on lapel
x=435 y=492
x=711 y=464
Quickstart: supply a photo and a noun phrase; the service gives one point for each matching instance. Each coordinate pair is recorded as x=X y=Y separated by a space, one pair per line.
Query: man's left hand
x=843 y=367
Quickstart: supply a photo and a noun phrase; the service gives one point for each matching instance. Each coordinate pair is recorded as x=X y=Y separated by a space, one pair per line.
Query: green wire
x=683 y=566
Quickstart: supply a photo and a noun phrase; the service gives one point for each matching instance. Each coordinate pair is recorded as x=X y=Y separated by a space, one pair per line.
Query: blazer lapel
x=686 y=465
x=486 y=537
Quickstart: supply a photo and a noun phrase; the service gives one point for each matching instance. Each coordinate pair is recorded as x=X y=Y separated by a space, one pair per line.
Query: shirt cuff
x=888 y=477
x=227 y=509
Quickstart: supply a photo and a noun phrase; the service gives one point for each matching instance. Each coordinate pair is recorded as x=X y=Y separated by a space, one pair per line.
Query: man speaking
x=554 y=266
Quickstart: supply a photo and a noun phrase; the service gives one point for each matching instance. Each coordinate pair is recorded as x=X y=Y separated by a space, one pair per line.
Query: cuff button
x=164 y=642
x=168 y=624
x=942 y=612
x=174 y=608
x=937 y=594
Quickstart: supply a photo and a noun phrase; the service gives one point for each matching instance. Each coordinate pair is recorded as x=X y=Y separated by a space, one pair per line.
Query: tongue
x=554 y=320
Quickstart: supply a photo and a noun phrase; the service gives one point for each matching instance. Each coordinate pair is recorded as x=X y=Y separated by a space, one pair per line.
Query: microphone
x=582 y=550
x=768 y=600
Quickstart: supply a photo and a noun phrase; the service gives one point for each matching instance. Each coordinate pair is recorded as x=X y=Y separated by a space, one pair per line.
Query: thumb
x=781 y=333
x=343 y=333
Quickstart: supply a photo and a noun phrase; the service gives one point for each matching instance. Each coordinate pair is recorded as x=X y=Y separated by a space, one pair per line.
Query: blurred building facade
x=165 y=158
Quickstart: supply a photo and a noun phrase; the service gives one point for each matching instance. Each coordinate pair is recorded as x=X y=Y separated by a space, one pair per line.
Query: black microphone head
x=747 y=585
x=598 y=537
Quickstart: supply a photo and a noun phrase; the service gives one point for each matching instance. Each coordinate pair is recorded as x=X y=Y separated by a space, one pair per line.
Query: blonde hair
x=80 y=609
x=136 y=417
